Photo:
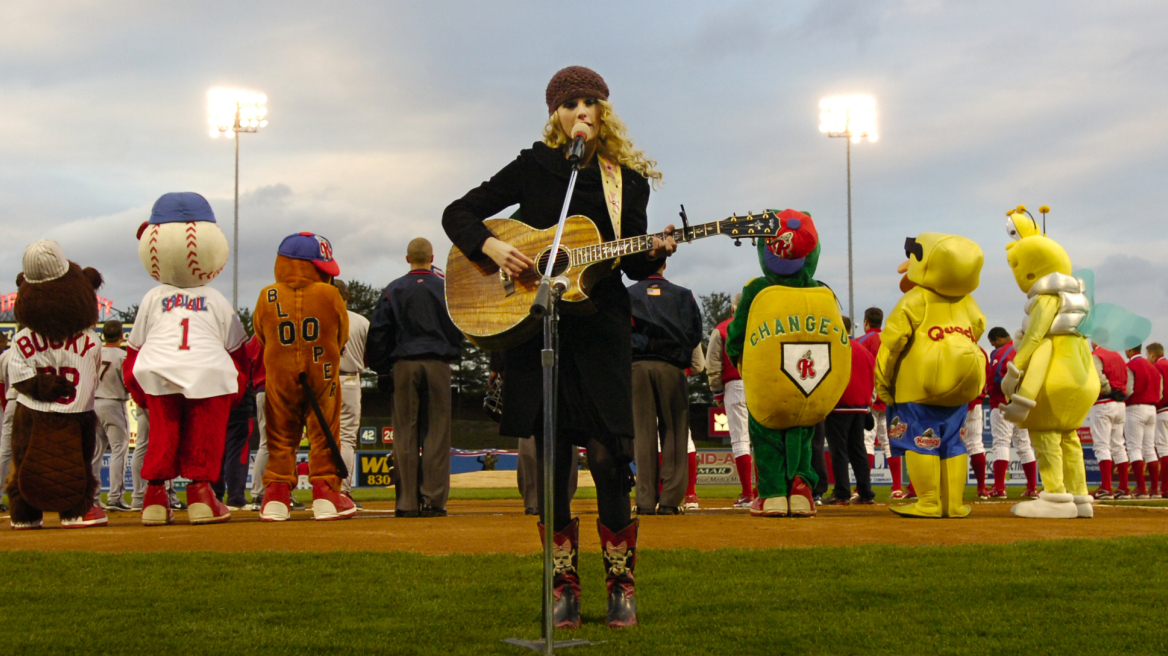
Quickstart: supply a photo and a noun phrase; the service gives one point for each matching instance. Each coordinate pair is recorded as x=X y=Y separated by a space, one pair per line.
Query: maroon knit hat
x=574 y=82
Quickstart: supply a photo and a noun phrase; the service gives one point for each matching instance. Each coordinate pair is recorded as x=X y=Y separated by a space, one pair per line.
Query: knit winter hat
x=574 y=82
x=44 y=260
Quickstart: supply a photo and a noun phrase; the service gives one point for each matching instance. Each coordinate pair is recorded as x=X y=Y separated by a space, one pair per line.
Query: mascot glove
x=869 y=421
x=1011 y=379
x=1018 y=409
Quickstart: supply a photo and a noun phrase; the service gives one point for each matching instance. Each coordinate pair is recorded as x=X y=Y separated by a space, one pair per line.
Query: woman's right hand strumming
x=510 y=259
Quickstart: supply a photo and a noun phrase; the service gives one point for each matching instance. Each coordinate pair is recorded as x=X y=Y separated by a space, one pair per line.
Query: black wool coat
x=595 y=377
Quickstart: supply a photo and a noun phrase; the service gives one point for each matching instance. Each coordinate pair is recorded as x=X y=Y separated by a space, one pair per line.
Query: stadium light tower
x=233 y=111
x=854 y=118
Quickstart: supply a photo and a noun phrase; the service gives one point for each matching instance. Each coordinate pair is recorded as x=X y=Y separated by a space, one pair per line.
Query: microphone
x=581 y=132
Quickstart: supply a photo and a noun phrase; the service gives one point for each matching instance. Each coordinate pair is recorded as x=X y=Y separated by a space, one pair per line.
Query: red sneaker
x=327 y=503
x=691 y=502
x=277 y=502
x=1030 y=493
x=156 y=506
x=772 y=507
x=897 y=494
x=912 y=493
x=998 y=493
x=95 y=517
x=802 y=501
x=203 y=507
x=983 y=493
x=1122 y=493
x=1102 y=493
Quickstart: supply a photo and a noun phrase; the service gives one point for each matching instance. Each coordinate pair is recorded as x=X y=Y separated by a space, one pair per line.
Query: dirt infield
x=501 y=527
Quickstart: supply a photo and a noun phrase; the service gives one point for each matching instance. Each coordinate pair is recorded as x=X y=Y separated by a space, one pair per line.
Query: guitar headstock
x=764 y=224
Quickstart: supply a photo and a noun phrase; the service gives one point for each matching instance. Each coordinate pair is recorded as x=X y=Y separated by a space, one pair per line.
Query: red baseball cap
x=795 y=240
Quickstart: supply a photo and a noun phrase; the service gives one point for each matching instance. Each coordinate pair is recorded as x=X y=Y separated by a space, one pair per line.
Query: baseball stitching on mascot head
x=181 y=244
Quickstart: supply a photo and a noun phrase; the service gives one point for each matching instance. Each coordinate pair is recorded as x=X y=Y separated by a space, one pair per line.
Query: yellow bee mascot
x=930 y=367
x=1051 y=384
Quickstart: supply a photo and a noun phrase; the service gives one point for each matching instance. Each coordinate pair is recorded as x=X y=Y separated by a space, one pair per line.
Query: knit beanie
x=574 y=82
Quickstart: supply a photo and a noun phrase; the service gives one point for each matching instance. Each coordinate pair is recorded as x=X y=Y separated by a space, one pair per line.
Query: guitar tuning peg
x=737 y=242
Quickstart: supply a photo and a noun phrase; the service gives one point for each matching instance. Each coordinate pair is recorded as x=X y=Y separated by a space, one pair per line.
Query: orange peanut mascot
x=303 y=325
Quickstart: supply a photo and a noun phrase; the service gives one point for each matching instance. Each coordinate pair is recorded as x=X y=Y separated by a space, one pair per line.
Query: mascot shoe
x=277 y=502
x=156 y=507
x=772 y=507
x=1083 y=504
x=802 y=503
x=925 y=473
x=953 y=487
x=203 y=507
x=95 y=517
x=26 y=526
x=1048 y=506
x=328 y=504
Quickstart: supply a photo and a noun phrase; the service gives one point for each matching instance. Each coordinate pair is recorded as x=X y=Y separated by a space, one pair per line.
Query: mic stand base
x=541 y=647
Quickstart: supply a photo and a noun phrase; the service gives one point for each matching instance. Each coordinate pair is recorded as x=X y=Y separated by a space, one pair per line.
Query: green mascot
x=789 y=343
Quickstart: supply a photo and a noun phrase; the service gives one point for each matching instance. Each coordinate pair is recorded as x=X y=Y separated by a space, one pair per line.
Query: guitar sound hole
x=561 y=265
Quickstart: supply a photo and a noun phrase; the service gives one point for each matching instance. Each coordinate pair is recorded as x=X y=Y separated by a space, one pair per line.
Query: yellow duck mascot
x=931 y=367
x=1051 y=384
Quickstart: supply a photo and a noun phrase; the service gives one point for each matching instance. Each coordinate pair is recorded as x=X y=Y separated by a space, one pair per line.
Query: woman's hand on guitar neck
x=510 y=259
x=663 y=247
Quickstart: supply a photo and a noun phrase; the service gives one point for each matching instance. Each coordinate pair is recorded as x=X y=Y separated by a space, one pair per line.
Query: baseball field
x=855 y=580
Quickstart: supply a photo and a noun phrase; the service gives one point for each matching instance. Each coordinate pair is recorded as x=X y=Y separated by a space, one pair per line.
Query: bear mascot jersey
x=789 y=343
x=53 y=367
x=186 y=352
x=1051 y=384
x=930 y=367
x=303 y=325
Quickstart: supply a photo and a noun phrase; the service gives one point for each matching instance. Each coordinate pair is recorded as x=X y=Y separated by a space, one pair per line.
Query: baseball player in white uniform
x=1106 y=421
x=9 y=395
x=352 y=364
x=726 y=384
x=113 y=427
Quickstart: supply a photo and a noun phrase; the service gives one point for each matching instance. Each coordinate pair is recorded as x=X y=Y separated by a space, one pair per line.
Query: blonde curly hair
x=614 y=143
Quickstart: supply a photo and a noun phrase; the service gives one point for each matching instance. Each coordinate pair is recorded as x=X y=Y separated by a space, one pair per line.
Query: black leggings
x=611 y=478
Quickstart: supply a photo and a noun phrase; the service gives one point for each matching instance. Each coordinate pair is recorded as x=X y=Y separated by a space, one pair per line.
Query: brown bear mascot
x=186 y=352
x=54 y=364
x=303 y=325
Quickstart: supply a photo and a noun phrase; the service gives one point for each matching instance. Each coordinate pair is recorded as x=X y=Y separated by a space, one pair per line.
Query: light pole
x=854 y=118
x=233 y=111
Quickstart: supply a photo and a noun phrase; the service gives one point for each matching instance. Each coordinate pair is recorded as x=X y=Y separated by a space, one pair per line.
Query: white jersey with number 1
x=183 y=337
x=76 y=359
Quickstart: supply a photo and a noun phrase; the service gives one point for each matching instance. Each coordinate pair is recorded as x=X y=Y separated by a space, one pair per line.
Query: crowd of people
x=621 y=390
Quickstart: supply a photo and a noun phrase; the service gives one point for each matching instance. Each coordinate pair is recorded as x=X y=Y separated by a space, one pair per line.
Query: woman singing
x=595 y=366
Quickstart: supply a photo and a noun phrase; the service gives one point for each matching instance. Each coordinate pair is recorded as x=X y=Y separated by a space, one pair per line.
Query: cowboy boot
x=566 y=579
x=620 y=559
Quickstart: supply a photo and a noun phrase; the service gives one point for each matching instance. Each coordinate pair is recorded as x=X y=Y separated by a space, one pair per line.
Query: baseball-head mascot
x=1051 y=383
x=789 y=343
x=181 y=364
x=930 y=367
x=303 y=325
x=53 y=367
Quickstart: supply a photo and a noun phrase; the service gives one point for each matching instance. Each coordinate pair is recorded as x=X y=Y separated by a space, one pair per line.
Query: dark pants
x=233 y=477
x=845 y=435
x=818 y=463
x=660 y=413
x=528 y=478
x=421 y=401
x=608 y=472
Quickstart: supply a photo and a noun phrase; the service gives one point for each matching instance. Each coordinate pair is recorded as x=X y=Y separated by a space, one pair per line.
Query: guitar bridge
x=507 y=282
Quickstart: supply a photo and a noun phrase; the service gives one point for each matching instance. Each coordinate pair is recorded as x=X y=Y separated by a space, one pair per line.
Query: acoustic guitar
x=493 y=309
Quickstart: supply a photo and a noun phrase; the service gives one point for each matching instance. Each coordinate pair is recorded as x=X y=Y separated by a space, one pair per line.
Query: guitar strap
x=610 y=177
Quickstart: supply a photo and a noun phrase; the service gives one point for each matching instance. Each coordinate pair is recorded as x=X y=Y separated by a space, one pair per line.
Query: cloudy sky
x=382 y=113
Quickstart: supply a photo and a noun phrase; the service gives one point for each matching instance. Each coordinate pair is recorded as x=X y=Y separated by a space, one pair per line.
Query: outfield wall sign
x=368 y=435
x=719 y=425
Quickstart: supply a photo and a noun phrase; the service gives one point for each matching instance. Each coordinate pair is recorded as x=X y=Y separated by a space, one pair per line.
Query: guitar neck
x=609 y=250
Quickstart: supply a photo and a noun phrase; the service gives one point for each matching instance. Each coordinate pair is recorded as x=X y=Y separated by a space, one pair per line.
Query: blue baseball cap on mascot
x=311 y=247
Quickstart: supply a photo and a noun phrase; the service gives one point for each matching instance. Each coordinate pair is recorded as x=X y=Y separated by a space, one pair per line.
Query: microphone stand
x=546 y=306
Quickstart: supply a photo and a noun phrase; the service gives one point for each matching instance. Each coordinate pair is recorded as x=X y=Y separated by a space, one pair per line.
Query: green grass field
x=1060 y=597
